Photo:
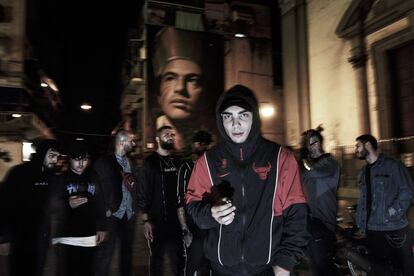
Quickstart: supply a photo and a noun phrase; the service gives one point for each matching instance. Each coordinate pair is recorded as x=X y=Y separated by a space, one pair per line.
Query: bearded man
x=157 y=205
x=386 y=192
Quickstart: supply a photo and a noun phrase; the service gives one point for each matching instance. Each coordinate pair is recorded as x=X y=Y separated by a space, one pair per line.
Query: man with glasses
x=157 y=205
x=320 y=177
x=24 y=219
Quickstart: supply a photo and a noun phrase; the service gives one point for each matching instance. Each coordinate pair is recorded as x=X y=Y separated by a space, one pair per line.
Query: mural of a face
x=180 y=89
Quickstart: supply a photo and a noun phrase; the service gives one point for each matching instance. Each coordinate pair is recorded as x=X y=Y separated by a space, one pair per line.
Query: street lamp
x=267 y=110
x=86 y=107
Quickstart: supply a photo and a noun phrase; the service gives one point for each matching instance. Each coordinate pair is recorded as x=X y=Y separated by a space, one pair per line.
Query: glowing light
x=267 y=111
x=79 y=139
x=16 y=115
x=86 y=107
x=135 y=79
x=43 y=84
x=27 y=151
x=240 y=35
x=150 y=145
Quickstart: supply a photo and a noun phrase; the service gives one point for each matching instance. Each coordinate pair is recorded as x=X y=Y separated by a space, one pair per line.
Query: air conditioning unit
x=242 y=16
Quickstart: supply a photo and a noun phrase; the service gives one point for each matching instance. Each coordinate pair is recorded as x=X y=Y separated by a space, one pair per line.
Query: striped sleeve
x=289 y=187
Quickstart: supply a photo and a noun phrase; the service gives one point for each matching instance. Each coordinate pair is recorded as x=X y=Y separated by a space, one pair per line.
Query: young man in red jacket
x=247 y=193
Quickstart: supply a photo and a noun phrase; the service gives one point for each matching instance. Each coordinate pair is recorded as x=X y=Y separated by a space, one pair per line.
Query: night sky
x=82 y=45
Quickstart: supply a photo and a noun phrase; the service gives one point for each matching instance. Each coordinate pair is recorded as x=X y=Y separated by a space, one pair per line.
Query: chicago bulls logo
x=262 y=171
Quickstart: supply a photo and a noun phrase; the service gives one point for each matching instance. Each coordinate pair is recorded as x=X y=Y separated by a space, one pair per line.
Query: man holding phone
x=79 y=214
x=260 y=227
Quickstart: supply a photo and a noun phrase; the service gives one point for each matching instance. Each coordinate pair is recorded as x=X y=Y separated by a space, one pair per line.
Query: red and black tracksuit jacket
x=269 y=228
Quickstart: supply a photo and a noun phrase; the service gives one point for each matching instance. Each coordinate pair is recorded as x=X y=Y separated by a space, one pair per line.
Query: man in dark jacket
x=119 y=188
x=247 y=192
x=157 y=204
x=193 y=236
x=79 y=214
x=386 y=192
x=320 y=175
x=24 y=221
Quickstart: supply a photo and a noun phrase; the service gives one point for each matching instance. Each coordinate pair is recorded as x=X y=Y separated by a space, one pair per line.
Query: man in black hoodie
x=78 y=206
x=24 y=221
x=247 y=193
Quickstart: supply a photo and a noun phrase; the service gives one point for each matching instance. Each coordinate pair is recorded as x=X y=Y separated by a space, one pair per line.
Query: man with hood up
x=24 y=222
x=247 y=193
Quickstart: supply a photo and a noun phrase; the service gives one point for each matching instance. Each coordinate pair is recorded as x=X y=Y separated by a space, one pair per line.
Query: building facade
x=348 y=65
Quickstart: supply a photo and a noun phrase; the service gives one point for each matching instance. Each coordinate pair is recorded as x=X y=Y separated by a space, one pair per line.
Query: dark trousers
x=28 y=256
x=321 y=252
x=74 y=260
x=268 y=272
x=195 y=259
x=321 y=249
x=122 y=230
x=166 y=255
x=391 y=247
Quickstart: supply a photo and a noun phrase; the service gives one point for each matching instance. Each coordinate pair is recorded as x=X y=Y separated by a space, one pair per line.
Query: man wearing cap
x=192 y=235
x=178 y=65
x=247 y=193
x=24 y=220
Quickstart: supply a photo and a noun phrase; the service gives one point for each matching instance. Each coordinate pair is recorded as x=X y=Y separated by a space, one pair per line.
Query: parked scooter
x=354 y=249
x=352 y=253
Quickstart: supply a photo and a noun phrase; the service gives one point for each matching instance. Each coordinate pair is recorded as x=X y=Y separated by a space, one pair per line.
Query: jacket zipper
x=164 y=203
x=243 y=217
x=243 y=209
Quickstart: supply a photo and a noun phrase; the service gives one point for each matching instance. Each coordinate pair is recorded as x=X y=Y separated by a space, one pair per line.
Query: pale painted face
x=237 y=123
x=180 y=89
x=51 y=159
x=79 y=165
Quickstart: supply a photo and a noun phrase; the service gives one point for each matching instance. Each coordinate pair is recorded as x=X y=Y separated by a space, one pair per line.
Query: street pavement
x=141 y=256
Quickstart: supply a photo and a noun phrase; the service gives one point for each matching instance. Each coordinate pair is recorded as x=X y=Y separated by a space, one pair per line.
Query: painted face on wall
x=237 y=123
x=180 y=89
